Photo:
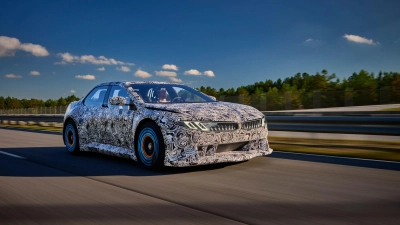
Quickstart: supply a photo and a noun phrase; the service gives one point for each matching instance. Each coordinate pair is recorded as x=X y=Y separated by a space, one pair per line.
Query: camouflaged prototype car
x=163 y=124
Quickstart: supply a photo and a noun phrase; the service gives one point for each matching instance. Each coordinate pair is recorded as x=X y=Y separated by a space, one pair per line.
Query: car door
x=92 y=123
x=119 y=129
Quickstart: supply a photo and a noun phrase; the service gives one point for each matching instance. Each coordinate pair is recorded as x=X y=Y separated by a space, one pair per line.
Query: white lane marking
x=340 y=157
x=9 y=154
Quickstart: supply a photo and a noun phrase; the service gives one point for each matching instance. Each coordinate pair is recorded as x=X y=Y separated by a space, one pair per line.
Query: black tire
x=71 y=138
x=150 y=148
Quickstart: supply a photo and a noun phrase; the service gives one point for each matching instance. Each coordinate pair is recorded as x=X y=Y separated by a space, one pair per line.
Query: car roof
x=134 y=82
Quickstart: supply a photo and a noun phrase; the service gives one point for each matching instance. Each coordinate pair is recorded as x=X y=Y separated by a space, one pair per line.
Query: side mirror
x=121 y=101
x=117 y=100
x=212 y=97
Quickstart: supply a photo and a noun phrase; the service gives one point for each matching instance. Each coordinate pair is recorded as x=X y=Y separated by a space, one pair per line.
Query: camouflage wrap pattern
x=111 y=130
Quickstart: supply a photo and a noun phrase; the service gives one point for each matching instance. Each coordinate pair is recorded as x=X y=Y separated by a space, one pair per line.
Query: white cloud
x=13 y=76
x=192 y=72
x=209 y=73
x=101 y=60
x=124 y=69
x=142 y=74
x=72 y=91
x=34 y=73
x=86 y=77
x=36 y=50
x=165 y=73
x=358 y=39
x=313 y=41
x=67 y=58
x=101 y=69
x=170 y=67
x=8 y=47
x=176 y=80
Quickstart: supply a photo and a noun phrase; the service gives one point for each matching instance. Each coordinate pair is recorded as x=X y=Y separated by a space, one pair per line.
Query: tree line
x=305 y=82
x=363 y=87
x=15 y=103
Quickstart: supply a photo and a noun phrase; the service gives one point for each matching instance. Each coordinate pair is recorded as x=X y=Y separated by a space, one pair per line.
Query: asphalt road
x=40 y=183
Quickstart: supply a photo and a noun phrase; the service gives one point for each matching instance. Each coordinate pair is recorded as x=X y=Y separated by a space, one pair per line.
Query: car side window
x=118 y=91
x=96 y=97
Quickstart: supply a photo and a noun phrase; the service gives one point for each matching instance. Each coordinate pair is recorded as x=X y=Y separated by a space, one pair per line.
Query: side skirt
x=109 y=150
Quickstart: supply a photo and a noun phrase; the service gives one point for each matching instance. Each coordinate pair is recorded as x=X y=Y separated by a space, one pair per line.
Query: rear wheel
x=71 y=138
x=150 y=146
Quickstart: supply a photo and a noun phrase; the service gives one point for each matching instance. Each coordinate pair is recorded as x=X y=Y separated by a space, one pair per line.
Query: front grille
x=252 y=124
x=224 y=127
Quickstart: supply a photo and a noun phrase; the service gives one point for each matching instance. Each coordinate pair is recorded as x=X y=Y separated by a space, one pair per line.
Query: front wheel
x=71 y=138
x=150 y=146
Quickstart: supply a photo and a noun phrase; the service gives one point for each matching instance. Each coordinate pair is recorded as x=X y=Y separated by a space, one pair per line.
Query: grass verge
x=378 y=150
x=34 y=127
x=392 y=109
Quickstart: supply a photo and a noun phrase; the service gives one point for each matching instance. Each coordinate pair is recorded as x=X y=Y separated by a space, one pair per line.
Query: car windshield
x=169 y=93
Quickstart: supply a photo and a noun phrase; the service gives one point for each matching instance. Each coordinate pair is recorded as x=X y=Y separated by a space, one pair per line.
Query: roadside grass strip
x=34 y=127
x=378 y=150
x=391 y=109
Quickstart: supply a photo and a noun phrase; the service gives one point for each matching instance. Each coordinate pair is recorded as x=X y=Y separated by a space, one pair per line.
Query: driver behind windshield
x=162 y=95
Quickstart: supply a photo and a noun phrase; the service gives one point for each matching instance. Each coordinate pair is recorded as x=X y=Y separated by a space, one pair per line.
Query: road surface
x=41 y=183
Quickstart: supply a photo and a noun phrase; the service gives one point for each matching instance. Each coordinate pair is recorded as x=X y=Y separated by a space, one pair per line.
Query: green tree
x=295 y=95
x=244 y=96
x=71 y=98
x=211 y=91
x=258 y=98
x=364 y=86
x=61 y=102
x=395 y=90
x=11 y=103
x=275 y=100
x=267 y=85
x=278 y=84
x=24 y=103
x=50 y=103
x=230 y=92
x=2 y=103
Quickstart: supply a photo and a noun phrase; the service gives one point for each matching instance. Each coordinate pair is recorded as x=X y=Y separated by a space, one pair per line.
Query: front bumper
x=201 y=148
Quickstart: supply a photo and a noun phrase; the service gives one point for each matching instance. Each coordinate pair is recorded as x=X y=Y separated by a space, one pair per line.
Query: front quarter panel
x=187 y=147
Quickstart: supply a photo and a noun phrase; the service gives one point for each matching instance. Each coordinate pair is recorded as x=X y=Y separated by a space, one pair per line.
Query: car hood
x=211 y=111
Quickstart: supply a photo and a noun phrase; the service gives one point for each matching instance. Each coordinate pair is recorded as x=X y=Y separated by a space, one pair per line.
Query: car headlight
x=209 y=126
x=253 y=124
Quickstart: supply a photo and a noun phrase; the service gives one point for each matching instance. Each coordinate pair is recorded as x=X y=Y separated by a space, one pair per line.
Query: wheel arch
x=65 y=122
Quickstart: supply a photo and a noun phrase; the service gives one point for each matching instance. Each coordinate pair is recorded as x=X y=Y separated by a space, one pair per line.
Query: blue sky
x=50 y=49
